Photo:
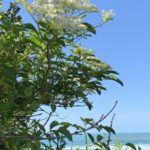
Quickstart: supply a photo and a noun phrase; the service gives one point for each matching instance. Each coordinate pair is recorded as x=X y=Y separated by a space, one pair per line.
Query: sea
x=138 y=139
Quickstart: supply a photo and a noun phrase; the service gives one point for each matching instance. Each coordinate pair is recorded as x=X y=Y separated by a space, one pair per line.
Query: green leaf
x=53 y=107
x=6 y=106
x=36 y=41
x=113 y=72
x=78 y=127
x=105 y=146
x=28 y=92
x=131 y=145
x=99 y=138
x=30 y=26
x=61 y=42
x=42 y=24
x=87 y=120
x=41 y=127
x=34 y=105
x=98 y=91
x=93 y=59
x=90 y=28
x=109 y=129
x=116 y=79
x=89 y=105
x=91 y=137
x=65 y=124
x=45 y=98
x=66 y=132
x=53 y=124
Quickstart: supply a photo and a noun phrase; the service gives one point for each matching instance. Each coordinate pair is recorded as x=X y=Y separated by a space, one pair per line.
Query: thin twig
x=100 y=120
x=41 y=109
x=50 y=114
x=109 y=135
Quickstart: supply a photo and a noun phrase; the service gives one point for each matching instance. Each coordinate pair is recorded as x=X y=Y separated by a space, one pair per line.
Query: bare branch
x=51 y=137
x=109 y=136
x=50 y=114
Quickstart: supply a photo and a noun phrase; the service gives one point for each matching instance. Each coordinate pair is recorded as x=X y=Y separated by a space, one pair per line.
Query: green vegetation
x=35 y=72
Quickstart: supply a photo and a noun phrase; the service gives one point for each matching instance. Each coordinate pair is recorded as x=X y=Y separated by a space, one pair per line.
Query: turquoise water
x=139 y=139
x=135 y=138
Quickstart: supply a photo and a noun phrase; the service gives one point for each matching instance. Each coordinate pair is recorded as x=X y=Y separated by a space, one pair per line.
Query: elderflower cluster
x=107 y=15
x=65 y=14
x=61 y=14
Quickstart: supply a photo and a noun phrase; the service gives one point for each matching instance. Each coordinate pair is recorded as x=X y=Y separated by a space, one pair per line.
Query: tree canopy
x=36 y=71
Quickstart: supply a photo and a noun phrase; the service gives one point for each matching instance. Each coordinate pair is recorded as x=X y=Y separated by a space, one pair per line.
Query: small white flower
x=82 y=26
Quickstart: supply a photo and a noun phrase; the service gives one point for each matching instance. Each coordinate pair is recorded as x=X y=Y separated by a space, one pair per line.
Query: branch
x=100 y=120
x=80 y=35
x=32 y=138
x=109 y=136
x=50 y=114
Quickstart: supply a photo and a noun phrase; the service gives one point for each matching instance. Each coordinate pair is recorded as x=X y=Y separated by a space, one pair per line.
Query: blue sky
x=123 y=43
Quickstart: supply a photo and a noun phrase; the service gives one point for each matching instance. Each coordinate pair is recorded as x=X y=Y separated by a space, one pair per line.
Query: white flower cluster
x=62 y=14
x=107 y=15
x=65 y=14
